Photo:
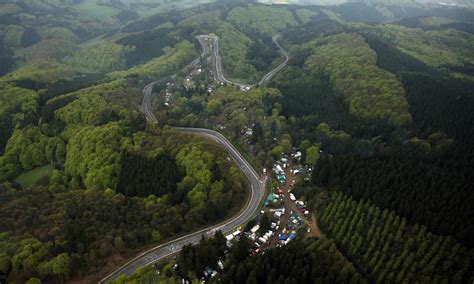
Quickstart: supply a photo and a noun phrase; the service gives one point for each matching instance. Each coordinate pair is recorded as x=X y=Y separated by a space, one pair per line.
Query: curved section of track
x=257 y=185
x=219 y=69
x=270 y=74
x=257 y=191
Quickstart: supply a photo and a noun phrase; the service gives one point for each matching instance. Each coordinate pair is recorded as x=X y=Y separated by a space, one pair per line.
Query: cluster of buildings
x=289 y=232
x=168 y=93
x=280 y=167
x=286 y=214
x=245 y=88
x=283 y=227
x=256 y=234
x=231 y=236
x=294 y=221
x=279 y=170
x=259 y=238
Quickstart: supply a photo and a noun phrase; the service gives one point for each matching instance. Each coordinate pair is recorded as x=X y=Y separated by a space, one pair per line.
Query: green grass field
x=100 y=12
x=29 y=178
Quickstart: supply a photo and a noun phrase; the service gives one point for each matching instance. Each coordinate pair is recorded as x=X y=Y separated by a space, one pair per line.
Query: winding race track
x=270 y=74
x=257 y=185
x=219 y=70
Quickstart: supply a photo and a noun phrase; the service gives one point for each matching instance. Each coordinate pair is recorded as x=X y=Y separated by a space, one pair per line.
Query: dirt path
x=283 y=221
x=290 y=206
x=315 y=231
x=285 y=217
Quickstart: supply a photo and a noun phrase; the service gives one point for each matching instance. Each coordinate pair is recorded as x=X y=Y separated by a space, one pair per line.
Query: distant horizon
x=457 y=3
x=236 y=141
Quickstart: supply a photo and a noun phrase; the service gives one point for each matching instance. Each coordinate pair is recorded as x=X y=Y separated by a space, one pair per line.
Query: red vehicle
x=255 y=252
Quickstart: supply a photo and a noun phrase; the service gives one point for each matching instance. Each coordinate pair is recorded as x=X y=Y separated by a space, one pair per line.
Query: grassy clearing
x=27 y=179
x=92 y=9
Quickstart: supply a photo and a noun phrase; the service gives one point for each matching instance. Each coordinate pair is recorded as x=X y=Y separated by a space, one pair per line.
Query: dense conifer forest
x=385 y=248
x=137 y=176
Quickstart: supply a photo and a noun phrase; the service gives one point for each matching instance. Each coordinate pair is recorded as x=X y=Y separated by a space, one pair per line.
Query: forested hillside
x=377 y=98
x=301 y=261
x=371 y=93
x=422 y=172
x=91 y=152
x=104 y=196
x=43 y=30
x=29 y=34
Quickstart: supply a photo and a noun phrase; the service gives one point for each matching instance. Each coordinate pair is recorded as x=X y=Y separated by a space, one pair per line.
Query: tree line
x=386 y=248
x=70 y=221
x=437 y=194
x=301 y=261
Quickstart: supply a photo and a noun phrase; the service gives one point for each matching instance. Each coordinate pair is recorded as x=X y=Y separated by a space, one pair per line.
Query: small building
x=229 y=237
x=255 y=229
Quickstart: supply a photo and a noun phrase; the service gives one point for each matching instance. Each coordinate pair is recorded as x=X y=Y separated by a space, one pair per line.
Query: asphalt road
x=257 y=185
x=219 y=70
x=270 y=74
x=257 y=191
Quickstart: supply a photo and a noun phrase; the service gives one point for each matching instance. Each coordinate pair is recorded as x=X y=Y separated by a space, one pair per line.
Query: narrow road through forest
x=257 y=185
